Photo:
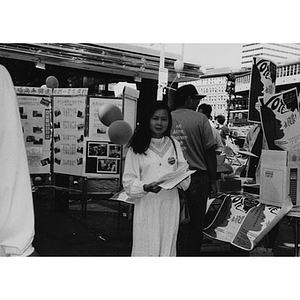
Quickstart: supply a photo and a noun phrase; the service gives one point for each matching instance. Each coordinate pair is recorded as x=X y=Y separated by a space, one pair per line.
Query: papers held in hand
x=170 y=180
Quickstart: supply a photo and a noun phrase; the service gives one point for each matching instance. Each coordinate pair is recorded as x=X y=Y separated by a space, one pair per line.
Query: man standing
x=206 y=109
x=224 y=130
x=194 y=133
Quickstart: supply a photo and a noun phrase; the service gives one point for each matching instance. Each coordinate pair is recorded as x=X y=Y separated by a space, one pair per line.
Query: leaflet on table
x=241 y=219
x=170 y=180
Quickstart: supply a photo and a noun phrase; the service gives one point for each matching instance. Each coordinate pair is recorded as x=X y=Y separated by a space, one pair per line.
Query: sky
x=207 y=55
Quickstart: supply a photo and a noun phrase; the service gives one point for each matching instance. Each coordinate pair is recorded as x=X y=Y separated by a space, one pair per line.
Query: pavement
x=106 y=230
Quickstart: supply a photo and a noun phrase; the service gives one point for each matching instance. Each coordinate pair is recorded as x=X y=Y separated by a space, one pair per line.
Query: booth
x=65 y=139
x=244 y=216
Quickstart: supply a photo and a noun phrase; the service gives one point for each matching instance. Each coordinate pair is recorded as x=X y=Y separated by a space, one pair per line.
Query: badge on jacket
x=171 y=160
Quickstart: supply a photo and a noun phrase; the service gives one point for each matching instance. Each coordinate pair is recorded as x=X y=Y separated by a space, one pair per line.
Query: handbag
x=184 y=215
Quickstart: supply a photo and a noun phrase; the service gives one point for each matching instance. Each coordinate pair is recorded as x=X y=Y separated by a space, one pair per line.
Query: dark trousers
x=190 y=236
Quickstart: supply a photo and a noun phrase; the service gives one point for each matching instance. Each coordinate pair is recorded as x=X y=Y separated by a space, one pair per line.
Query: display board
x=69 y=119
x=63 y=133
x=97 y=129
x=103 y=159
x=35 y=112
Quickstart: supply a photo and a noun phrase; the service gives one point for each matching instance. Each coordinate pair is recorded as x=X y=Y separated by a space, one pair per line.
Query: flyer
x=241 y=219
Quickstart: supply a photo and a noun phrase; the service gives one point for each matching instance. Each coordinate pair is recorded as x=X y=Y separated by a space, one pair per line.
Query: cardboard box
x=273 y=177
x=280 y=177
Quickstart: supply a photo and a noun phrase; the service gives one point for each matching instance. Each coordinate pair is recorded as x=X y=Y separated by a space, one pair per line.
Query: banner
x=262 y=84
x=280 y=120
x=241 y=219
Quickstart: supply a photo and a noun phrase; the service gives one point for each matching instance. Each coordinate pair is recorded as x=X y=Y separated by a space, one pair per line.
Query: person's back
x=224 y=130
x=194 y=133
x=206 y=109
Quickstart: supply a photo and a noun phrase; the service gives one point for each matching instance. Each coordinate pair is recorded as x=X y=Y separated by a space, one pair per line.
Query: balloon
x=178 y=65
x=109 y=113
x=52 y=82
x=119 y=132
x=37 y=180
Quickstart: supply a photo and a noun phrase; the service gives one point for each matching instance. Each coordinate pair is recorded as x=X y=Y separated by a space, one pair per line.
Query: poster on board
x=241 y=219
x=262 y=84
x=69 y=115
x=280 y=120
x=35 y=113
x=102 y=159
x=97 y=129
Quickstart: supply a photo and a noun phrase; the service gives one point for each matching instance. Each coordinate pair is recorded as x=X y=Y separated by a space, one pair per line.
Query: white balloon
x=178 y=65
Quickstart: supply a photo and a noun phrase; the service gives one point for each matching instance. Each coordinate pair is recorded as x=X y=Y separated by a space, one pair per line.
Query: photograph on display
x=69 y=126
x=107 y=165
x=36 y=123
x=102 y=159
x=97 y=149
x=114 y=151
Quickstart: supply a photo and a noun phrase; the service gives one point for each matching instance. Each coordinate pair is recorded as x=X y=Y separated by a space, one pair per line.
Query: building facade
x=213 y=85
x=277 y=52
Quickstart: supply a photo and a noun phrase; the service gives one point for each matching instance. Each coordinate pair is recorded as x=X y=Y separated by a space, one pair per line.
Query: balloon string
x=170 y=86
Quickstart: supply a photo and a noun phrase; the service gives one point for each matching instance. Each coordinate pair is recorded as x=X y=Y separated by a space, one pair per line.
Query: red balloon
x=119 y=132
x=109 y=113
x=52 y=82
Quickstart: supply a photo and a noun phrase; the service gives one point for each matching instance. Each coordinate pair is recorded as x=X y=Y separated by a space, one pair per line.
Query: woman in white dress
x=152 y=154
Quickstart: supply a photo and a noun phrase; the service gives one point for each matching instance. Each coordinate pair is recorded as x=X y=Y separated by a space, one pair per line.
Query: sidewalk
x=104 y=233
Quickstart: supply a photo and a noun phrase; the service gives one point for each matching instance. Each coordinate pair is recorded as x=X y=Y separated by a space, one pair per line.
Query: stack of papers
x=170 y=180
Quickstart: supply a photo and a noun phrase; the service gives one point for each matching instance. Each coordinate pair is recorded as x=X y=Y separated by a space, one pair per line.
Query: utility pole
x=230 y=89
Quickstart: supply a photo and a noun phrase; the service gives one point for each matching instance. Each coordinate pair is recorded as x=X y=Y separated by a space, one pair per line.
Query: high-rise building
x=277 y=52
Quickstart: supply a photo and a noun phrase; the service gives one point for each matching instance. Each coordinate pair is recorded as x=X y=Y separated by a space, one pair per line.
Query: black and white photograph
x=114 y=151
x=107 y=165
x=208 y=103
x=97 y=149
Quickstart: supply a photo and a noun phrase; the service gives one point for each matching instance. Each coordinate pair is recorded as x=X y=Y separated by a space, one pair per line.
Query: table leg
x=296 y=237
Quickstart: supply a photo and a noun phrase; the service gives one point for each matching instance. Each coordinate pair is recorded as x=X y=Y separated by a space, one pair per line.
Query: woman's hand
x=152 y=187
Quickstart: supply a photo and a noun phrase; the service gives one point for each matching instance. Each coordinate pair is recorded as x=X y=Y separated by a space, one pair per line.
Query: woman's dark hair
x=142 y=135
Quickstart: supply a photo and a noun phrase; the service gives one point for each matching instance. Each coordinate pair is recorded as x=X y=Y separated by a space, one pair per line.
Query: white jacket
x=16 y=204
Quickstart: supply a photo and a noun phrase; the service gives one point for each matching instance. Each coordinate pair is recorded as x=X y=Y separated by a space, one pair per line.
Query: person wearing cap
x=194 y=133
x=206 y=109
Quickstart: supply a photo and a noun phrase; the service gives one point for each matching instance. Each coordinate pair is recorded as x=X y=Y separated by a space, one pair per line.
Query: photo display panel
x=35 y=113
x=69 y=119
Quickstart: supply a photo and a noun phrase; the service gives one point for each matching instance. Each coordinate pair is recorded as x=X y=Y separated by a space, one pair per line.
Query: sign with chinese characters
x=69 y=127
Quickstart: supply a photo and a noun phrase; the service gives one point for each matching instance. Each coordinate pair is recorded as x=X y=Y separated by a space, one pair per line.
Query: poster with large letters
x=262 y=84
x=35 y=113
x=241 y=219
x=280 y=120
